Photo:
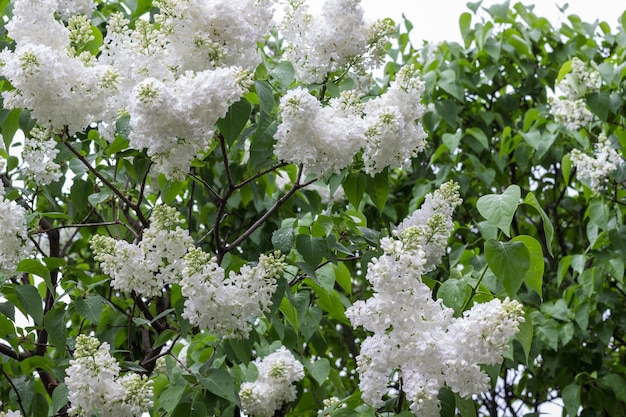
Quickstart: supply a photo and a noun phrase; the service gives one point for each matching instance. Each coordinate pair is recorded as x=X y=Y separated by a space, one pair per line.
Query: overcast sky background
x=439 y=20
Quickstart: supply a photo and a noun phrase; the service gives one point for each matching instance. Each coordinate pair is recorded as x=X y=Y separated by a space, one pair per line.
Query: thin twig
x=17 y=393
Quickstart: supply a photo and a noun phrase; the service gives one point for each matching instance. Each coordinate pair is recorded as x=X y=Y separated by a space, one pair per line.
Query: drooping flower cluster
x=337 y=38
x=596 y=169
x=416 y=337
x=38 y=155
x=181 y=71
x=224 y=304
x=147 y=267
x=274 y=385
x=326 y=138
x=96 y=388
x=174 y=120
x=14 y=244
x=571 y=109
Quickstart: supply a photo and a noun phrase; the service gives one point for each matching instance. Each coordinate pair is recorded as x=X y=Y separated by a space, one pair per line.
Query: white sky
x=438 y=20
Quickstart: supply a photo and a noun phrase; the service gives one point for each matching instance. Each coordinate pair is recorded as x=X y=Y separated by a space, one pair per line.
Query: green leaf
x=548 y=228
x=566 y=68
x=452 y=140
x=283 y=73
x=187 y=409
x=510 y=262
x=571 y=398
x=31 y=302
x=283 y=239
x=319 y=370
x=220 y=383
x=354 y=186
x=89 y=307
x=499 y=209
x=59 y=397
x=311 y=248
x=55 y=323
x=378 y=189
x=465 y=21
x=235 y=120
x=39 y=405
x=453 y=293
x=616 y=384
x=534 y=275
x=479 y=135
x=599 y=103
x=451 y=85
x=10 y=125
x=466 y=406
x=35 y=267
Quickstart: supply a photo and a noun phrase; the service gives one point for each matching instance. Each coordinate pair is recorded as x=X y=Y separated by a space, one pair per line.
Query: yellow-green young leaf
x=509 y=261
x=529 y=118
x=499 y=209
x=565 y=69
x=534 y=275
x=548 y=228
x=465 y=21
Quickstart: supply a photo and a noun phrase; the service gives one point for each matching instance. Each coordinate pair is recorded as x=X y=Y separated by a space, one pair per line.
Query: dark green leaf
x=89 y=307
x=55 y=323
x=510 y=262
x=31 y=302
x=283 y=239
x=235 y=120
x=534 y=275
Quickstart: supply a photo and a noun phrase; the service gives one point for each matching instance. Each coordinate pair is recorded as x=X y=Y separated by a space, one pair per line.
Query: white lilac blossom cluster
x=187 y=67
x=147 y=267
x=274 y=385
x=336 y=39
x=571 y=109
x=38 y=156
x=14 y=244
x=596 y=169
x=416 y=338
x=10 y=413
x=225 y=304
x=326 y=138
x=96 y=388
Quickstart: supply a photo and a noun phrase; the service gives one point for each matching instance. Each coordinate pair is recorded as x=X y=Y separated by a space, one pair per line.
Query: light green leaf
x=319 y=370
x=509 y=261
x=283 y=239
x=566 y=68
x=499 y=209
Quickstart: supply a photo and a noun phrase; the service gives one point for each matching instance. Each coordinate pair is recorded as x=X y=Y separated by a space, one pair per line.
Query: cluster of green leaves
x=528 y=229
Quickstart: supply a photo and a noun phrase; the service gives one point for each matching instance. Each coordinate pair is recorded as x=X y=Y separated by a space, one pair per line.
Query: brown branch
x=106 y=182
x=17 y=393
x=297 y=186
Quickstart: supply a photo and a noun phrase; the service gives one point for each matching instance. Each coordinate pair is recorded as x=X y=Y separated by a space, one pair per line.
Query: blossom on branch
x=224 y=304
x=418 y=338
x=96 y=388
x=596 y=169
x=274 y=385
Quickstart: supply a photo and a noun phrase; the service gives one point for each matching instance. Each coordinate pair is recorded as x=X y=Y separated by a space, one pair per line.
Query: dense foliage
x=263 y=228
